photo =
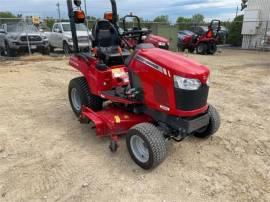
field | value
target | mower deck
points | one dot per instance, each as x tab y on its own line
112	121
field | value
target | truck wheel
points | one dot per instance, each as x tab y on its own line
46	51
146	145
10	52
213	126
201	48
212	48
79	95
2	52
51	48
66	49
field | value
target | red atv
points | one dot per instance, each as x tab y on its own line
136	35
203	44
151	95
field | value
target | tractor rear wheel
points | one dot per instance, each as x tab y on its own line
213	126
80	95
201	48
146	145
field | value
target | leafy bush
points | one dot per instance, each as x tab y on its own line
235	35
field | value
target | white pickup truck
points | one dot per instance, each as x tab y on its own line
61	37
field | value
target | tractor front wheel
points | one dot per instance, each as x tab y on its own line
80	95
146	145
191	50
201	48
213	126
212	48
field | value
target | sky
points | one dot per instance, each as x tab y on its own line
148	9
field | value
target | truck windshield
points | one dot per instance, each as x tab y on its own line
79	27
21	28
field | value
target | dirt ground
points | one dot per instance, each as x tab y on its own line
47	155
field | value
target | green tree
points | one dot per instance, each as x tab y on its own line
162	19
198	18
183	20
235	35
91	18
49	22
7	15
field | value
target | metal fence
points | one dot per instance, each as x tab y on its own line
256	34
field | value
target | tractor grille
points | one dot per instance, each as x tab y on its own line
188	100
31	38
160	94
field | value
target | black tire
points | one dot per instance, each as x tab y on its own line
51	48
154	141
180	47
66	49
201	48
10	52
213	126
191	50
2	52
86	97
212	48
46	51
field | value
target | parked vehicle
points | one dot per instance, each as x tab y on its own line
199	30
184	38
203	44
154	95
136	35
2	41
202	30
20	37
61	37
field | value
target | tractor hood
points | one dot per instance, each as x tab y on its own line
176	63
158	38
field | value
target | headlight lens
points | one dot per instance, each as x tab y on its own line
161	43
12	37
186	84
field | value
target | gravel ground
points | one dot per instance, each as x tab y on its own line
46	155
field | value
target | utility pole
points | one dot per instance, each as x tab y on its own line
237	10
59	12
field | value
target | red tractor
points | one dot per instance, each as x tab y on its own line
203	44
136	34
151	95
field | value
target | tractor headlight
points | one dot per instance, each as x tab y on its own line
186	84
162	44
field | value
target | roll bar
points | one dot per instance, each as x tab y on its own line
114	12
73	25
131	16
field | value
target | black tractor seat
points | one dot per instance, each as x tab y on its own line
107	43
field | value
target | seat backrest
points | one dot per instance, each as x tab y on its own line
105	34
